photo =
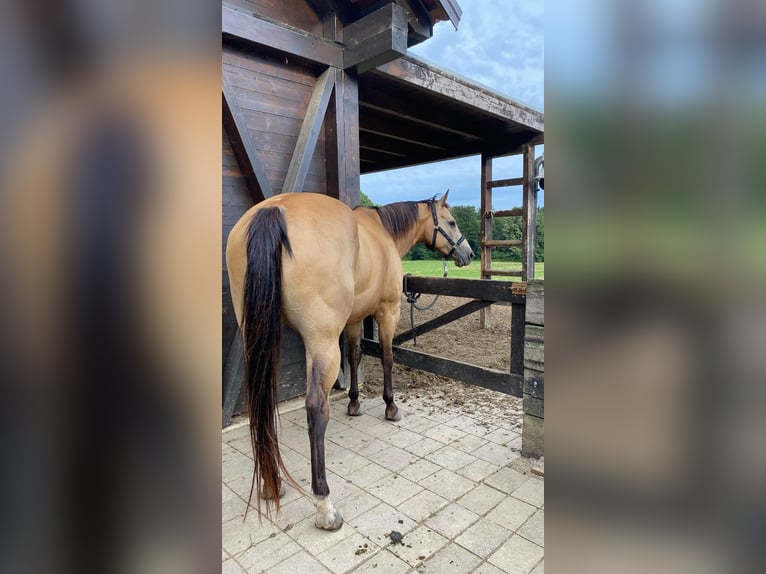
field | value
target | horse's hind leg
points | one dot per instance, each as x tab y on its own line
353	337
386	326
323	365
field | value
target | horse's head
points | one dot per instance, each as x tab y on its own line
446	237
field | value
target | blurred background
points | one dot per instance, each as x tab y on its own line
110	292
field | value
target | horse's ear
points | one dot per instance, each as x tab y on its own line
443	199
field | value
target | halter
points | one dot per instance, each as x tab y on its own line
438	229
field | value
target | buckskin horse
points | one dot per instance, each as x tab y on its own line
322	267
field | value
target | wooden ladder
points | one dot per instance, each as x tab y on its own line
528	212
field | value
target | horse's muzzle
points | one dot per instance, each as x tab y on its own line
463	259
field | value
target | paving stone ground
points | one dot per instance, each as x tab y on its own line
451	482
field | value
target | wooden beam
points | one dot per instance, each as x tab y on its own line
418	73
496	380
342	140
484	289
309	134
504	273
243	145
506	182
448	317
516	212
518	318
501	243
530	213
375	39
251	28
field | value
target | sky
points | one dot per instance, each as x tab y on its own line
499	45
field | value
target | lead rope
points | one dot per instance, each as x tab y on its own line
412	300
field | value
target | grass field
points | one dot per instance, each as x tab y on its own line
435	269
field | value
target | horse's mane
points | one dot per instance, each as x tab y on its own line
398	218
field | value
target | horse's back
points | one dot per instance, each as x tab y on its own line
318	279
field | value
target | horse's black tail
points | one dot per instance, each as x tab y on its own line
266	239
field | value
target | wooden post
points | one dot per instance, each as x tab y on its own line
532	443
530	214
342	140
485	315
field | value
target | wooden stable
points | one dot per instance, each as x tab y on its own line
318	92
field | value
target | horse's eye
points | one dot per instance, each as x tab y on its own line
452	224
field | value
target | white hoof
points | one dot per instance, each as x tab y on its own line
328	518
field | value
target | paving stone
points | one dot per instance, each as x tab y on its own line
423	505
502	436
378	522
230	566
468	443
236	465
511	513
403	438
372	447
355	504
451	458
478	470
459	422
347	554
294	512
540	568
238	535
314	539
447	484
532	491
487	568
344	462
452	559
394	489
418	424
484	537
478	429
365	420
368	474
496	454
394	458
506	480
424	446
444	434
232	508
452	520
534	528
517	556
481	499
267	553
419	545
384	562
302	563
233	432
419	470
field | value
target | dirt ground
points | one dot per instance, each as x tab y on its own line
461	340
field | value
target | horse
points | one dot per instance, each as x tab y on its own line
322	267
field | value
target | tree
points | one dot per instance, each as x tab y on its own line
366	201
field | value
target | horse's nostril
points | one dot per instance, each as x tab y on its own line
471	255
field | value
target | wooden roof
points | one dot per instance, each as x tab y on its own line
411	112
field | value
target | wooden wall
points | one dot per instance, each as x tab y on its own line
297	13
273	97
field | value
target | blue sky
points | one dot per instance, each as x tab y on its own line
499	45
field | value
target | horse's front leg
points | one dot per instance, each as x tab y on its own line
353	338
387	321
322	372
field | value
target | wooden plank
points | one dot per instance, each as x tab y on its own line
516	212
532	437
504	273
307	138
375	39
517	338
534	383
536	302
534	347
485	319
242	144
530	213
232	381
342	140
483	289
501	243
533	406
493	379
253	29
441	320
506	182
415	72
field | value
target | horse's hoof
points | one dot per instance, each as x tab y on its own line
332	522
354	409
396	416
267	494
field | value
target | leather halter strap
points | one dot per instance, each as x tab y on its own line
439	229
